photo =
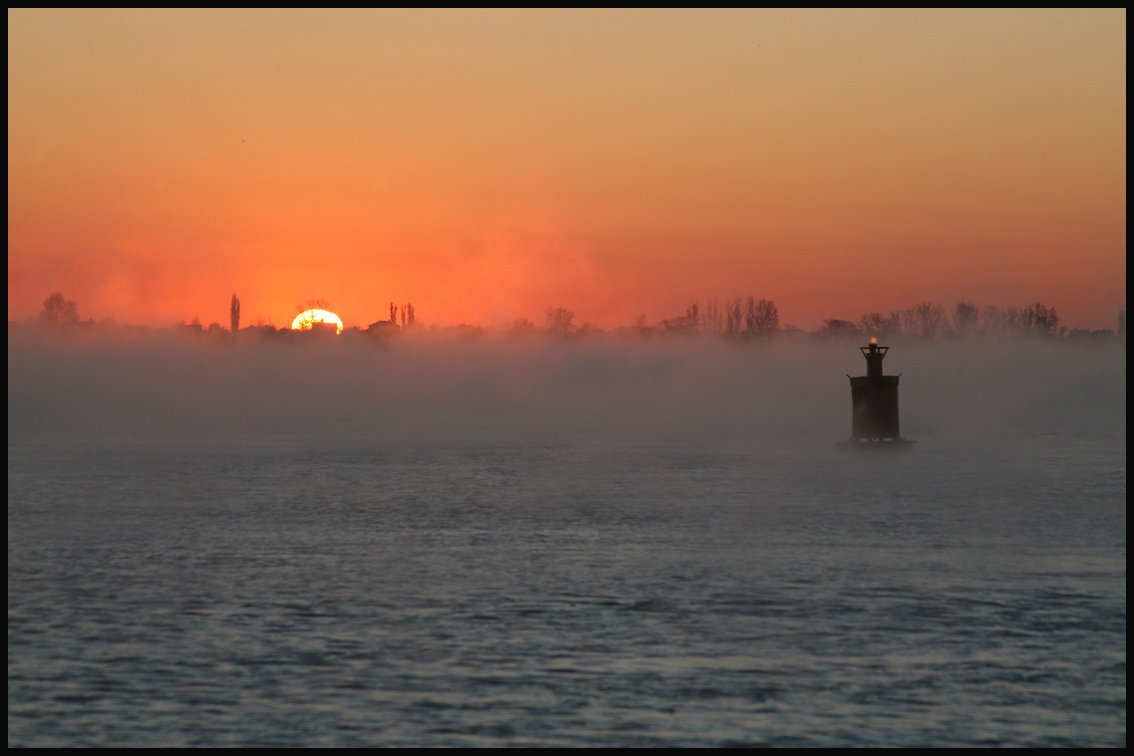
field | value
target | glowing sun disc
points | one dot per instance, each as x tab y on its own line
305	320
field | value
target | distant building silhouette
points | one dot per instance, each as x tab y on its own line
319	328
383	328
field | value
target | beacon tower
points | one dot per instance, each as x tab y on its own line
874	402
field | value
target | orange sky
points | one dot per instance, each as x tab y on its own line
485	165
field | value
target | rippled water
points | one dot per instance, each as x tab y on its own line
291	593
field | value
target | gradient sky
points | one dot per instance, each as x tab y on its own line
485	165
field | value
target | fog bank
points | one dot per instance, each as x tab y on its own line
430	388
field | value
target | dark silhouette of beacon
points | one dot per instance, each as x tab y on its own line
874	400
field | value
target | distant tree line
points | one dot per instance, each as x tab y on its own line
736	318
930	320
740	316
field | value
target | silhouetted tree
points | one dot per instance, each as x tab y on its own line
965	318
997	320
761	317
407	315
1039	319
234	314
880	326
924	320
559	320
58	311
312	304
712	320
733	317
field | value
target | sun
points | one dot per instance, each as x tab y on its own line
307	320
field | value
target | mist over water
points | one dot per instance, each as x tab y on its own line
436	388
495	541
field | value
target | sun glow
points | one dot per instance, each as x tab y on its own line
307	320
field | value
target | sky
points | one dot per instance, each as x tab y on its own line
486	165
